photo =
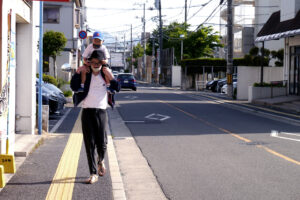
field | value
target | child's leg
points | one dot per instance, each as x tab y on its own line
83	78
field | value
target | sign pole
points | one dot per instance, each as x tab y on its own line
40	71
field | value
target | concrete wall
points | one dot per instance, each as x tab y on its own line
176	76
247	76
27	41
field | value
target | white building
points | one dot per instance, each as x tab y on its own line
285	24
18	62
263	10
65	17
243	20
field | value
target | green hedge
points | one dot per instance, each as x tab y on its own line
219	62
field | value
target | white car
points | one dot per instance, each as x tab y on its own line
224	88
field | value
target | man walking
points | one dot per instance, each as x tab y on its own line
94	116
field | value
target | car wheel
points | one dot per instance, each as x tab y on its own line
134	88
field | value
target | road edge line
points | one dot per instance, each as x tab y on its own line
114	169
54	128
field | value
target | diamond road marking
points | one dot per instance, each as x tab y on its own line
159	117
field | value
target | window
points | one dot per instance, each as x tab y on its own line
51	15
77	18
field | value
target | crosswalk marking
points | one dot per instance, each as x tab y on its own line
63	181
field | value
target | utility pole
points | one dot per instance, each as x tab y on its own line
131	50
116	44
230	49
185	11
160	40
124	60
144	42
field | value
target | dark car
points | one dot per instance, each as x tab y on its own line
51	96
127	80
212	85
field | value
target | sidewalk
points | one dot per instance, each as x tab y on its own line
24	145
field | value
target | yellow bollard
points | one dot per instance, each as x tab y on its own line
2	179
8	162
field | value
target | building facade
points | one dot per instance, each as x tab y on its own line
285	24
65	17
243	27
19	60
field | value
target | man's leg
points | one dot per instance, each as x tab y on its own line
89	126
101	136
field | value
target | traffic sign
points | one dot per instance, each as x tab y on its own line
82	34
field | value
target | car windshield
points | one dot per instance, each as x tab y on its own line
125	76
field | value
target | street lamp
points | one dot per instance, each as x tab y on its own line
181	38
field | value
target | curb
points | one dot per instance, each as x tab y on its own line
116	179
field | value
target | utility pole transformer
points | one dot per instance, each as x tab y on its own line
230	49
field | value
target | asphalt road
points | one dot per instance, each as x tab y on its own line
204	150
35	175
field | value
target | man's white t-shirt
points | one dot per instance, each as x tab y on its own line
89	50
97	95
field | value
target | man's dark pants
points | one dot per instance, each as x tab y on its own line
94	122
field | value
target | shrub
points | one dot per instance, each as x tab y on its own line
48	79
68	93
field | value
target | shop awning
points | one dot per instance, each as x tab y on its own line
274	29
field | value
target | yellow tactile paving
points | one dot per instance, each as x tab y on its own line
63	181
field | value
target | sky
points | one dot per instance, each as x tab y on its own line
116	16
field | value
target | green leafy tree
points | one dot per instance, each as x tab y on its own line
200	43
53	44
138	51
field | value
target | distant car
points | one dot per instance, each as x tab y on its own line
224	88
115	73
127	80
212	85
51	96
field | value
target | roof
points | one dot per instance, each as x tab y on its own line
274	29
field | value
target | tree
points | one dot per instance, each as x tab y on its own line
53	44
196	44
138	51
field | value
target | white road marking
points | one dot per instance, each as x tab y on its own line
130	97
276	135
59	122
158	117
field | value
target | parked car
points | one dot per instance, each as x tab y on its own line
51	96
224	88
127	80
222	82
212	85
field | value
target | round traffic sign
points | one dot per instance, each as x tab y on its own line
82	34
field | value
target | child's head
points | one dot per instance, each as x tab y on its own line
97	39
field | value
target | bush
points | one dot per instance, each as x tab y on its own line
61	82
48	79
272	84
68	93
